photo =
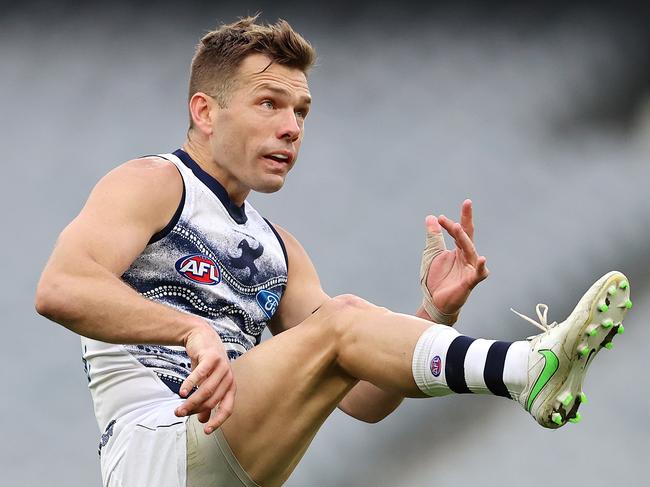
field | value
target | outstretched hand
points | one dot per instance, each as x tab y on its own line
211	376
452	274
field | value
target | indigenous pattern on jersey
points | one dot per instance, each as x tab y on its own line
216	260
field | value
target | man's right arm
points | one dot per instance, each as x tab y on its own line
81	288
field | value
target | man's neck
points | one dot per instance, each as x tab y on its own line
201	155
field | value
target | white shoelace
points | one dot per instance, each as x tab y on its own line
542	313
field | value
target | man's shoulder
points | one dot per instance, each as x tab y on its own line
147	186
290	243
150	174
150	168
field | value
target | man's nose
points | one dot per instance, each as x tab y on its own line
289	127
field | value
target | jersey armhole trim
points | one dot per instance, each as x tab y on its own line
284	249
177	215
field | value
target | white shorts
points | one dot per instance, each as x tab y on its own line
156	448
210	461
147	449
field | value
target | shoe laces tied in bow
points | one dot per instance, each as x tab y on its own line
542	313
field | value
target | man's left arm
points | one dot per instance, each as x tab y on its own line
453	274
448	276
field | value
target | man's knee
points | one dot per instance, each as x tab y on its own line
345	315
341	310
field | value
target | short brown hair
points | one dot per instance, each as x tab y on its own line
221	51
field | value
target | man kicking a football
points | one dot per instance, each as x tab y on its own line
170	276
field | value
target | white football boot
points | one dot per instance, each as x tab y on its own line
560	356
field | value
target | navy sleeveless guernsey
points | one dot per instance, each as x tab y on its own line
216	260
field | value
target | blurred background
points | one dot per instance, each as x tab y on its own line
539	112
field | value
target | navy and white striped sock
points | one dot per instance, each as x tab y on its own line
446	362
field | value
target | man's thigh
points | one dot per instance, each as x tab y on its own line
210	460
286	388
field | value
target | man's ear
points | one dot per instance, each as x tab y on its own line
202	108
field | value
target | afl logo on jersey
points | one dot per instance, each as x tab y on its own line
268	301
199	268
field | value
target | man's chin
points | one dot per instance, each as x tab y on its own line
270	186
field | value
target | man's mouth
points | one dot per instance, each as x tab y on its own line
281	157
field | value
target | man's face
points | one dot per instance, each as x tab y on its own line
256	138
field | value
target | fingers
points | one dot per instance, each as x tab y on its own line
463	242
467	218
435	241
207	396
481	270
199	374
204	415
222	412
213	377
431	222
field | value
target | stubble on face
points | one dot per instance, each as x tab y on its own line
264	117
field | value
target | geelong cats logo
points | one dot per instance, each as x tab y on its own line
268	301
199	268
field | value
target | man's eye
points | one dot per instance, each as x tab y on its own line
268	104
301	113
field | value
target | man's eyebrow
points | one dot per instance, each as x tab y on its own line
281	91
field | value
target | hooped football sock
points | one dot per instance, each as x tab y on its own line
446	362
